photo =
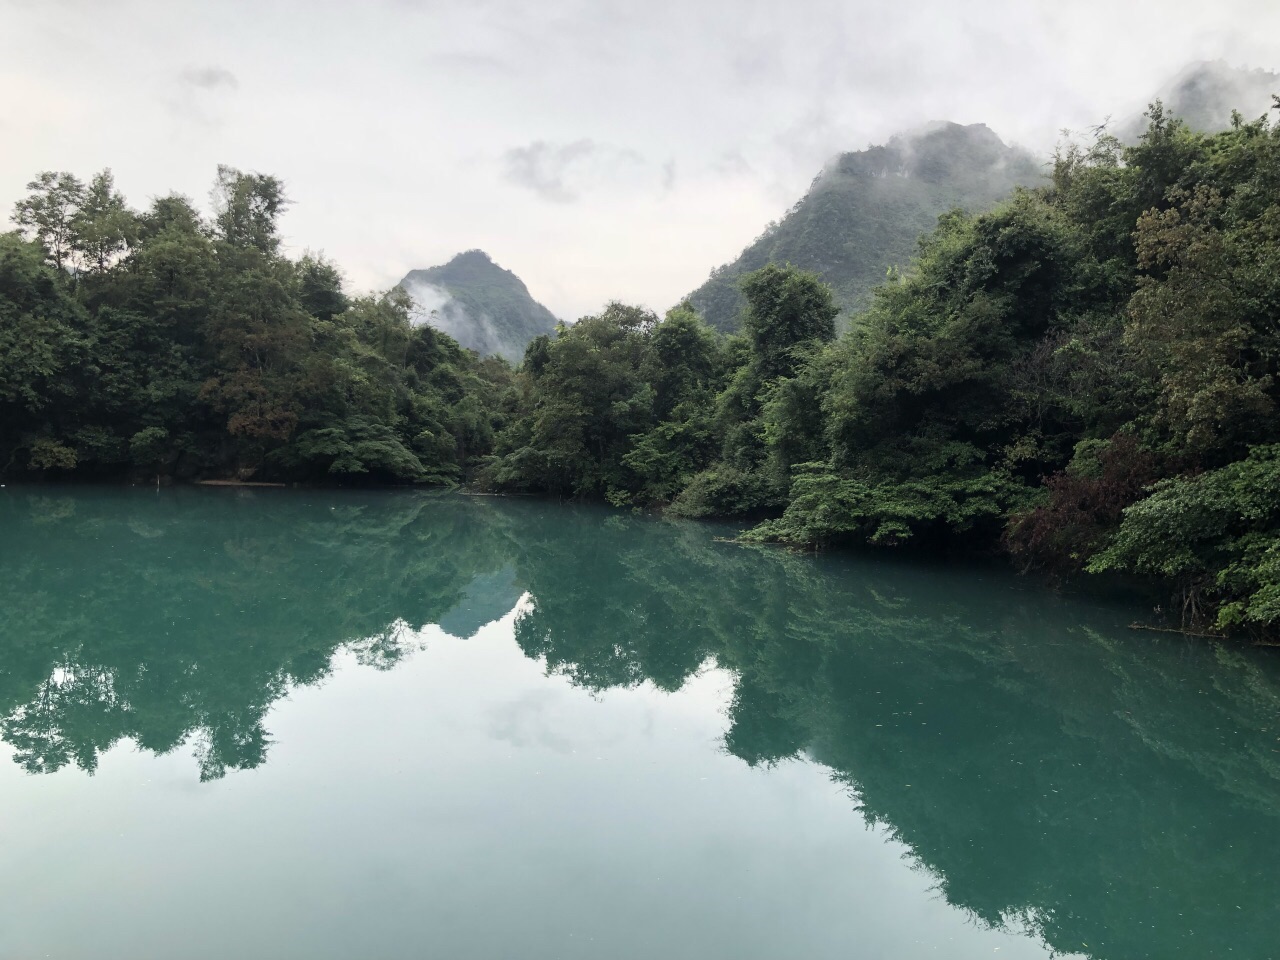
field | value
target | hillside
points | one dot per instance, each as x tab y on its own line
865	211
484	307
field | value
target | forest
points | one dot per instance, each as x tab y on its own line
1083	378
136	344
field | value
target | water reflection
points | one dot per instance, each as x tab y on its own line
1117	795
188	615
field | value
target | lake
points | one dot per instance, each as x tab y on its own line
298	724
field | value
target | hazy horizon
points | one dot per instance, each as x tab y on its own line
596	151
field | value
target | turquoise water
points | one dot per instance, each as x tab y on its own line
278	724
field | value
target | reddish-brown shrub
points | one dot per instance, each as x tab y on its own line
1085	503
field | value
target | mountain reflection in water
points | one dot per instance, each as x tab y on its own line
1118	795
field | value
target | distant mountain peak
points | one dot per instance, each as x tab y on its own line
482	305
475	259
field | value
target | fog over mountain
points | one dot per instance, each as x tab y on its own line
484	307
609	150
866	210
1205	93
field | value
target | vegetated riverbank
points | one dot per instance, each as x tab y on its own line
1085	378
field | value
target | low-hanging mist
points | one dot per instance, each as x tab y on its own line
435	306
484	307
866	210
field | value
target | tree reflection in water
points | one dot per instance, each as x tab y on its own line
1116	794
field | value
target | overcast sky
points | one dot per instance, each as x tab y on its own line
599	149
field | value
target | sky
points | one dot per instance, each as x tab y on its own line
601	150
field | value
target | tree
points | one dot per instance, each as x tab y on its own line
1215	536
786	307
680	360
246	206
43	350
48	214
1205	318
102	226
320	281
583	399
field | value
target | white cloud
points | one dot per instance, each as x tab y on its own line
208	78
562	172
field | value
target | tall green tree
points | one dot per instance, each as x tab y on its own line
47	215
246	208
103	226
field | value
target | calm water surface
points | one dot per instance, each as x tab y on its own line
281	724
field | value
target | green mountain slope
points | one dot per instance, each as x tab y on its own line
484	307
865	211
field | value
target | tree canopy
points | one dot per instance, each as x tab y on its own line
157	342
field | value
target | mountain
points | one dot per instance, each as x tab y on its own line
488	597
1204	94
479	304
865	211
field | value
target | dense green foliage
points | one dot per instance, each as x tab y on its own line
1216	533
1025	383
484	307
864	212
156	342
640	411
